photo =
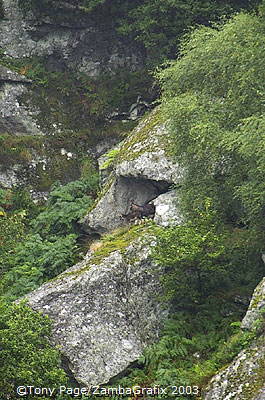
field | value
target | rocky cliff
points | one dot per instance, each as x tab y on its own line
67	37
55	68
62	71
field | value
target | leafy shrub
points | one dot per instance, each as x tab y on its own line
194	257
213	99
36	260
25	352
12	230
66	204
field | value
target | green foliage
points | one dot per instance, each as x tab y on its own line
25	352
213	98
160	24
12	230
18	149
66	205
51	244
112	156
194	255
190	351
34	261
213	101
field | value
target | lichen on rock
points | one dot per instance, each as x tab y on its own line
142	170
104	312
243	379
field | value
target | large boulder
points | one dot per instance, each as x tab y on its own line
105	310
142	170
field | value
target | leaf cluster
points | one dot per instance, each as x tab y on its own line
214	101
25	351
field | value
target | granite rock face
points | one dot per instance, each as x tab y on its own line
75	40
142	171
15	117
104	312
167	210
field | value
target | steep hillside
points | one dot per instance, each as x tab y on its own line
132	199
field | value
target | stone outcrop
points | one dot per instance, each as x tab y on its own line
15	117
74	41
244	378
142	171
167	211
6	75
8	177
104	310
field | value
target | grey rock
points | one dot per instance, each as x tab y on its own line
256	307
8	177
104	312
138	109
83	45
243	379
6	75
148	158
107	214
15	117
167	211
142	172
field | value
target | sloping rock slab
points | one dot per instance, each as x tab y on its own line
103	315
243	379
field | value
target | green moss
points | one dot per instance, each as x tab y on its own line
253	383
118	240
19	149
144	138
112	156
